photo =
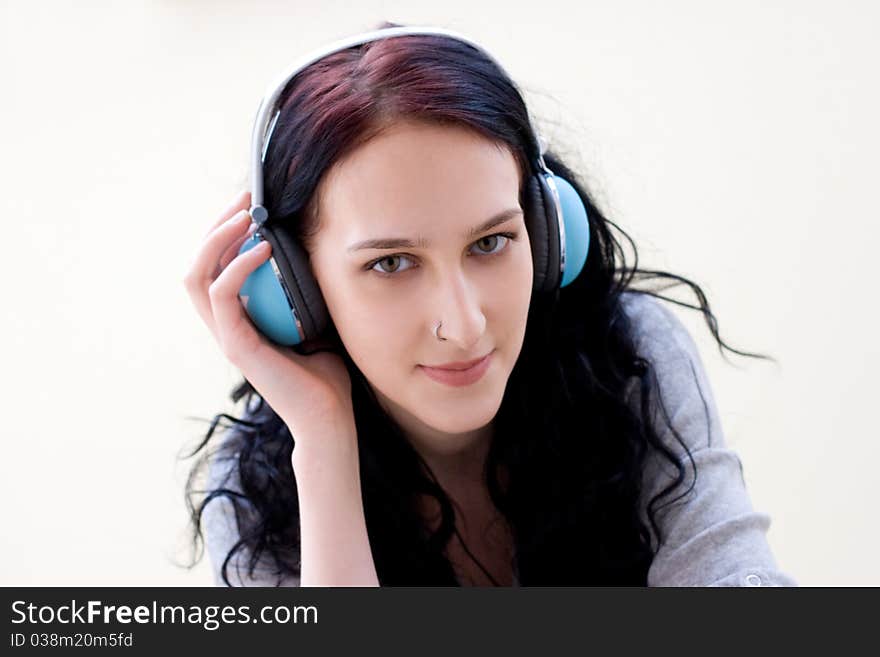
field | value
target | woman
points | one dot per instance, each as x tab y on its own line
584	447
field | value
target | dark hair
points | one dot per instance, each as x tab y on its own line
572	445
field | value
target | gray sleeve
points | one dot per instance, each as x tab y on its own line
221	531
711	536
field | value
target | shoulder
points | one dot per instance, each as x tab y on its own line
656	331
712	534
679	384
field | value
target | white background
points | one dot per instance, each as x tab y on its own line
736	142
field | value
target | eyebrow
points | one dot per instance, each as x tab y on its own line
401	242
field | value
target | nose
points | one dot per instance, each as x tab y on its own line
457	304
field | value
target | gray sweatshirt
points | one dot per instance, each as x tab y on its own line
712	536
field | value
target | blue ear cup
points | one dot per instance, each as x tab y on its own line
558	259
282	296
577	229
266	302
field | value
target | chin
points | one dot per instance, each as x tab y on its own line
463	416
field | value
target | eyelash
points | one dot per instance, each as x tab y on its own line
508	236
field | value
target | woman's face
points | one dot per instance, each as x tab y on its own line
432	186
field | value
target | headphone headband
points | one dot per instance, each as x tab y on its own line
265	120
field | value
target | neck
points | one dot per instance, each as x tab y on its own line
459	464
457	460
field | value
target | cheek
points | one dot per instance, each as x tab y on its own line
520	281
370	332
516	301
365	329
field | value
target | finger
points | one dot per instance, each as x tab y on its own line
202	305
241	202
234	328
230	253
204	269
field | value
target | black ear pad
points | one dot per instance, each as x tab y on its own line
293	263
541	222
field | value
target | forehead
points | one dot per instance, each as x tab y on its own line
418	178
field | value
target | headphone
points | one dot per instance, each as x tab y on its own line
282	297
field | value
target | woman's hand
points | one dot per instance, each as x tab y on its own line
312	394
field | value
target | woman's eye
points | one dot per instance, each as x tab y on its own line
482	243
490	245
392	259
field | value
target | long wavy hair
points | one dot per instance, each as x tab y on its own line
573	448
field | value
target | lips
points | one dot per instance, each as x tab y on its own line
456	377
457	366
